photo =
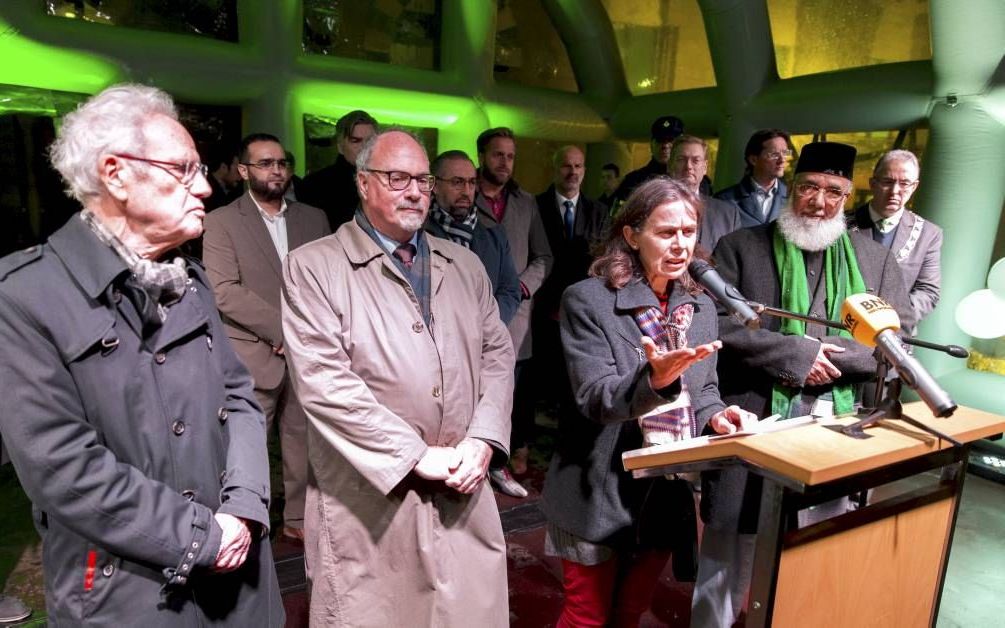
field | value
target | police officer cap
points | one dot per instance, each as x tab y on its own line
666	128
827	158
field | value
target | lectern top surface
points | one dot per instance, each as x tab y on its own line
812	454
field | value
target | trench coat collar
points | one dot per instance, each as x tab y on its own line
92	264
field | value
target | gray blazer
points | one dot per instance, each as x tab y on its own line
532	256
587	491
920	260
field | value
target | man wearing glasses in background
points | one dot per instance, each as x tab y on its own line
761	193
804	262
405	371
243	250
453	216
916	242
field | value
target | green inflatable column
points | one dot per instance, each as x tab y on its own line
963	177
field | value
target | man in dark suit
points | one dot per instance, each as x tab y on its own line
453	216
333	188
245	243
916	242
662	133
573	224
761	193
689	164
805	262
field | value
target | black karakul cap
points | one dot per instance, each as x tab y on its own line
666	128
827	158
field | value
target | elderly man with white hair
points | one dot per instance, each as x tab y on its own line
805	262
131	423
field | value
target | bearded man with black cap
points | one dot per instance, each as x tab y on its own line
808	263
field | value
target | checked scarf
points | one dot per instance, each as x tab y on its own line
459	231
843	278
673	421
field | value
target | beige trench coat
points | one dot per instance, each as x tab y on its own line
383	547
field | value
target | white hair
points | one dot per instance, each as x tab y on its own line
810	234
110	122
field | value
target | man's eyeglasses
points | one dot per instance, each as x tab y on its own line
459	183
810	190
268	164
397	180
184	172
779	154
888	183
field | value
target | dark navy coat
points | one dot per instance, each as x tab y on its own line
128	441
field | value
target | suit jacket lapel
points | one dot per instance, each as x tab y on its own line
252	221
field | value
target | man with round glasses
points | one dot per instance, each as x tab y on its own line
916	242
761	192
131	422
243	250
405	371
453	216
805	262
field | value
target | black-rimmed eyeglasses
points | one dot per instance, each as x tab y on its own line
397	180
184	172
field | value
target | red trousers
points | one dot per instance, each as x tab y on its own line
614	593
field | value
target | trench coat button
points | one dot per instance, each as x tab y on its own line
436	391
108	570
178	427
417	327
188	494
160	358
222	414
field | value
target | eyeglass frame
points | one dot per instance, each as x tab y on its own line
816	189
188	176
268	164
458	183
430	179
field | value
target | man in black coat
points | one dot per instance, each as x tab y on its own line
780	368
689	164
131	422
573	224
333	188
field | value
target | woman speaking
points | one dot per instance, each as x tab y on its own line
639	339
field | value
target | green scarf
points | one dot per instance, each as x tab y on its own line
843	279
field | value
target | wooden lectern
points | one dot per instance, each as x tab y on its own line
880	565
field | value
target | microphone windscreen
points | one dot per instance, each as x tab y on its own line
866	315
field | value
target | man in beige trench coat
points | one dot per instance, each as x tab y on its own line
405	372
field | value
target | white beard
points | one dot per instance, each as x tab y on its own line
810	234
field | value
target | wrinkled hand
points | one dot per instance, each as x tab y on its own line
438	463
475	456
669	365
823	370
234	543
731	419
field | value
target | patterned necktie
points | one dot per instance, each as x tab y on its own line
405	254
570	219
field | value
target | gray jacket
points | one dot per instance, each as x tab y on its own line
128	439
587	491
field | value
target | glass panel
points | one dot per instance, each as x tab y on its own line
208	18
321	147
401	32
663	44
870	145
528	48
814	36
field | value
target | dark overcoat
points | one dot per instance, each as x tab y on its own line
752	361
587	491
128	440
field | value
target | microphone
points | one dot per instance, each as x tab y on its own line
874	323
727	295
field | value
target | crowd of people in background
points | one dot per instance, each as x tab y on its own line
402	318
